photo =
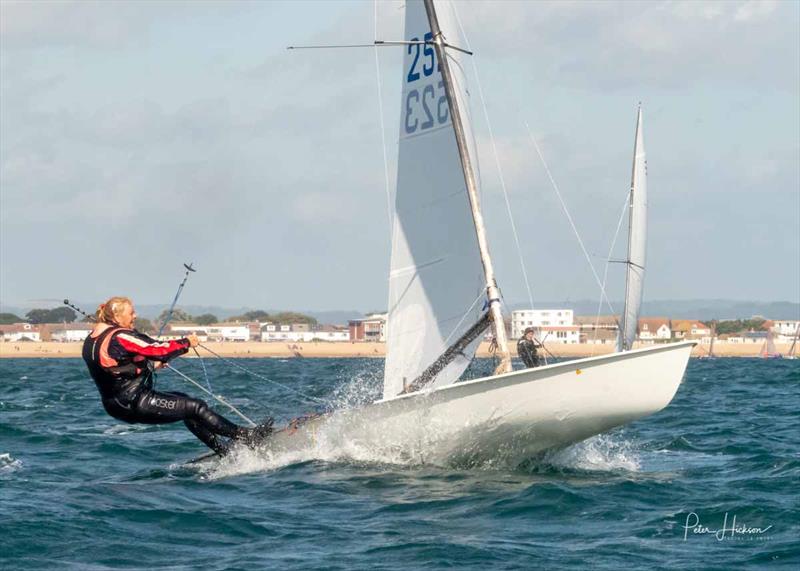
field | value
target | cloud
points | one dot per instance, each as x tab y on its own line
615	45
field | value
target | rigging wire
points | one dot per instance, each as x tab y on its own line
262	377
608	263
603	295
481	295
383	127
497	162
218	398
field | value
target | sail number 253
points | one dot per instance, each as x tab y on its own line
425	106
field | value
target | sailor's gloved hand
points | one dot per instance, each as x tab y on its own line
193	340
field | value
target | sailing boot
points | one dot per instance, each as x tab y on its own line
253	437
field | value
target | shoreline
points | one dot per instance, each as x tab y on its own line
260	349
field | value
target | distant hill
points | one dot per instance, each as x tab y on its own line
676	309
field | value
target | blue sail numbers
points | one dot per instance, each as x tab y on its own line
426	100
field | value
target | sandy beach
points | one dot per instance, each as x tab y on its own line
361	349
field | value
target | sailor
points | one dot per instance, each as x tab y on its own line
526	349
121	361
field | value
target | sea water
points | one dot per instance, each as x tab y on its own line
79	490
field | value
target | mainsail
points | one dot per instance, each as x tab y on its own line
637	242
437	286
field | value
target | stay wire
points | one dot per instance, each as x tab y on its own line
603	295
218	398
497	163
608	263
383	128
262	377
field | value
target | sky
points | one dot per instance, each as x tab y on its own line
135	136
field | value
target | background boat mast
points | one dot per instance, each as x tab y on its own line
492	291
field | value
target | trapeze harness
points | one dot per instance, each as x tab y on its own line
123	374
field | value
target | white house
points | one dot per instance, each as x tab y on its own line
20	332
689	329
72	332
599	337
302	332
785	330
653	329
521	319
564	335
216	331
173	334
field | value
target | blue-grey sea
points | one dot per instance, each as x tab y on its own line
79	490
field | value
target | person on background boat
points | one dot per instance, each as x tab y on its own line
121	361
527	348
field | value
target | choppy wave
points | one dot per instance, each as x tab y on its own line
81	491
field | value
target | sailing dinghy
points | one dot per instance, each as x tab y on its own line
443	297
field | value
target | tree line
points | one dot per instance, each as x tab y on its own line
737	325
67	315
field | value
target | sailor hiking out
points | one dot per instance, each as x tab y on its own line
527	347
121	360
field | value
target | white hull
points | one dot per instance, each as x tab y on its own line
507	418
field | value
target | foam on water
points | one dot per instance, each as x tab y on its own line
424	444
8	464
602	453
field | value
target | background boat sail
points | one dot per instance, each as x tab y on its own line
443	295
768	349
637	242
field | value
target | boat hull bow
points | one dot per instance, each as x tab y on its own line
506	418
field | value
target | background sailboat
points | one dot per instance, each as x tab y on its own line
768	349
443	295
637	242
792	354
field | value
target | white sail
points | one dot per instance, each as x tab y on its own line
436	282
637	243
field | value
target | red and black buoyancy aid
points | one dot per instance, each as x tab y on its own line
114	379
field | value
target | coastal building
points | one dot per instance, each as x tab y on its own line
303	332
758	337
521	319
689	329
71	332
20	332
654	329
173	334
785	330
593	322
599	337
370	328
564	335
216	331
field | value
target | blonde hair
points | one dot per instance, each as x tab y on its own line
107	312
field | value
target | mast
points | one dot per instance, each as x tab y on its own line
492	291
623	342
794	341
713	335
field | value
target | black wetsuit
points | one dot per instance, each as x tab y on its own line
526	349
118	361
